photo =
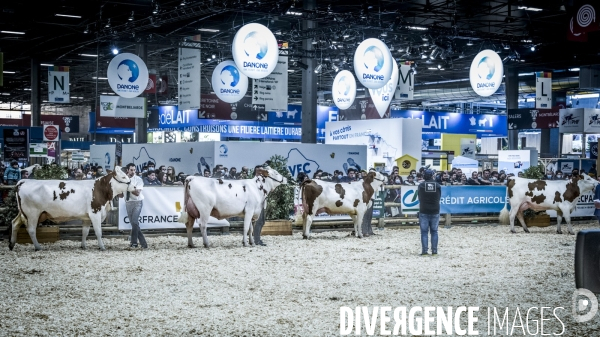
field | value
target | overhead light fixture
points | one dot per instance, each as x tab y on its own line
100	78
318	68
417	28
532	9
115	51
434	53
293	12
214	56
209	30
532	48
346	36
336	68
182	3
155	10
87	29
69	16
423	56
291	70
8	72
131	17
573	69
107	24
11	32
506	46
470	43
47	65
89	55
384	34
208	59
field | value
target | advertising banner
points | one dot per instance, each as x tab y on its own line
51	149
188	79
468	147
447	122
228	83
127	75
373	63
513	161
68	124
486	73
272	90
382	97
103	155
243	110
521	119
571	121
190	158
38	150
543	90
58	85
255	50
116	106
99	122
16	144
343	89
592	120
458	199
162	207
406	82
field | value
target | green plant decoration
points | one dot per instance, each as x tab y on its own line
280	202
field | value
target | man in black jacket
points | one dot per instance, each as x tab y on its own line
430	193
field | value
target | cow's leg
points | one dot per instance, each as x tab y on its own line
15	229
567	215
307	222
358	224
85	230
251	233
204	230
559	217
522	221
247	224
32	223
512	216
189	227
98	230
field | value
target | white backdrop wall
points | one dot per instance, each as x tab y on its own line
189	157
386	139
103	155
301	157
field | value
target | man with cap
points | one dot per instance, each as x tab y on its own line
350	177
430	193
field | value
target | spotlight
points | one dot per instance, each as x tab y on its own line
434	53
87	30
131	17
318	68
470	43
214	56
115	51
155	11
336	68
506	46
384	34
182	3
532	48
107	24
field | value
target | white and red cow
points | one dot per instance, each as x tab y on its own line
221	199
539	195
339	198
63	200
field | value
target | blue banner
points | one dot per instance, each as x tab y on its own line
449	122
459	199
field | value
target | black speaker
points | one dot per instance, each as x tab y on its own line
587	260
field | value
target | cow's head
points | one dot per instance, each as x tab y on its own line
376	179
271	173
586	183
123	181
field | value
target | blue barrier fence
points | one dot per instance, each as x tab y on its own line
459	199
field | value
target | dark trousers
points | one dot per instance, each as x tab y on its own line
258	225
367	228
134	208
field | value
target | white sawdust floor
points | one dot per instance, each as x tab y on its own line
292	287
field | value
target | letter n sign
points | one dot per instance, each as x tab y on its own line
58	85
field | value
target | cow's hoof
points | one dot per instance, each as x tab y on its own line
527	231
304	237
84	248
207	246
572	233
558	232
191	246
38	249
11	246
102	249
513	231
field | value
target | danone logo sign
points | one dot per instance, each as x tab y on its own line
373	63
344	89
127	75
486	73
255	50
228	83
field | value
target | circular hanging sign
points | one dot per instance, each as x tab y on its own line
255	50
373	63
127	75
228	83
50	133
486	73
344	89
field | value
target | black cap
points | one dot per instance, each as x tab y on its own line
352	170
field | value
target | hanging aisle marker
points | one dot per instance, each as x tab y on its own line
543	90
373	63
344	89
255	50
486	73
58	85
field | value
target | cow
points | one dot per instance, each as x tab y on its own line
63	200
221	199
351	198
539	195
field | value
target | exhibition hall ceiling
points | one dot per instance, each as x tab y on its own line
441	36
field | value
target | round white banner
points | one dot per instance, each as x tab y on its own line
486	73
373	63
382	97
255	50
343	89
127	75
228	83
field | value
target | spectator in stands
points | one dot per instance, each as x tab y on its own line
351	175
89	175
495	175
474	180
144	170
161	168
444	179
419	178
150	166
78	174
232	173
549	175
151	180
502	178
410	180
100	172
244	174
593	171
170	178
24	174
207	173
558	175
337	176
413	173
181	177
574	173
12	174
485	179
395	179
301	177
318	174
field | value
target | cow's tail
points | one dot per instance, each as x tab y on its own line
304	204
504	217
183	217
20	219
